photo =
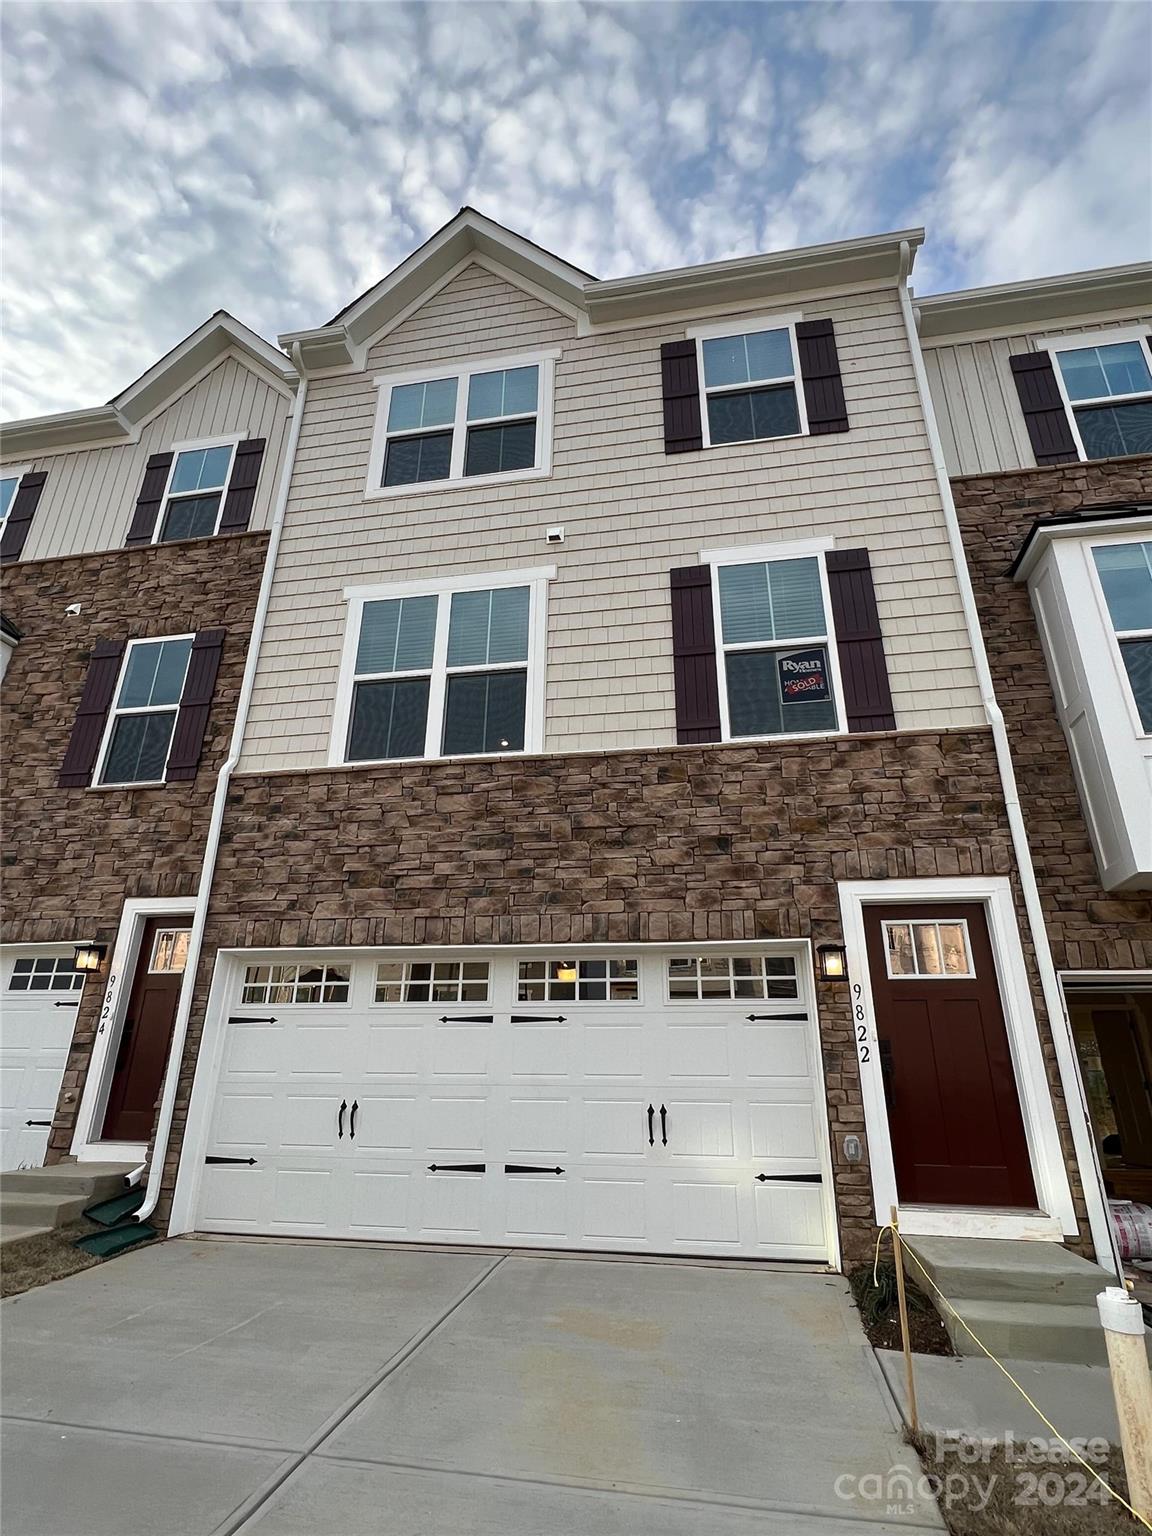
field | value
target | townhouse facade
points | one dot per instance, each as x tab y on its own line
622	850
133	545
1044	395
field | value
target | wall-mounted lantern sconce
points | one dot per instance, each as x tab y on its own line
833	962
89	957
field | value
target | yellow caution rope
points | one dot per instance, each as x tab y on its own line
1087	1465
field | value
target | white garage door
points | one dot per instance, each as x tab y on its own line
41	993
640	1102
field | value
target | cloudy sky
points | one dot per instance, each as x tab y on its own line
160	161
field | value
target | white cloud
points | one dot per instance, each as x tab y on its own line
161	161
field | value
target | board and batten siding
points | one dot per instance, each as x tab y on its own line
974	394
89	495
630	514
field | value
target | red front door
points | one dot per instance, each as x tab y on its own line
953	1108
147	1031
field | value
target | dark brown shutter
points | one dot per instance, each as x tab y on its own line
859	644
195	701
241	491
20	514
92	713
681	384
820	371
1043	407
694	655
143	524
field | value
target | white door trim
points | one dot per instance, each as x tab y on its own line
994	893
228	971
86	1145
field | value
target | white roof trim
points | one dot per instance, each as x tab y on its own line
178	370
1012	307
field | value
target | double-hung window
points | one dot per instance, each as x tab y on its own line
751	383
1125	573
1106	382
777	659
488	419
9	484
449	669
138	736
194	494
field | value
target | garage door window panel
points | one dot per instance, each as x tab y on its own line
578	981
432	981
731	978
290	984
54	974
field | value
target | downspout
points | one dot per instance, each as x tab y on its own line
1065	1046
220	800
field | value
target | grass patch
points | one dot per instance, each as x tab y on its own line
31	1261
1000	1494
876	1302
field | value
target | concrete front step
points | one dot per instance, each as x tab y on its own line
40	1199
96	1181
996	1269
12	1232
1031	1330
46	1210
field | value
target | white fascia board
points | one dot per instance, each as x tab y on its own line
177	369
467	233
1006	308
874	259
1083	528
36	435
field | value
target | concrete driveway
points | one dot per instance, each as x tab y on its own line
199	1388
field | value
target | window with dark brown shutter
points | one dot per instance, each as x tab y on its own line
1043	407
195	702
241	493
92	714
820	371
680	381
694	655
859	644
21	513
143	525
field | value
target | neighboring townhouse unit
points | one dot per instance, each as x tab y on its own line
1043	393
616	677
133	544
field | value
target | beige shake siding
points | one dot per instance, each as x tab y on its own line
630	513
977	407
89	496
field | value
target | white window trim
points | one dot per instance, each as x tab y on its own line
536	580
1053	1192
462	372
754	554
1072	343
13	472
1134	537
176	449
151	709
743	326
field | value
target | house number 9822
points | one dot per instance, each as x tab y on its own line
860	1021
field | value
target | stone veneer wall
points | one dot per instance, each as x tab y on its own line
71	857
1090	928
682	844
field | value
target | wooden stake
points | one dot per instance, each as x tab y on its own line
898	1254
1123	1322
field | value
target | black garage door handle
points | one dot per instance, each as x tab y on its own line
340	1116
352	1124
